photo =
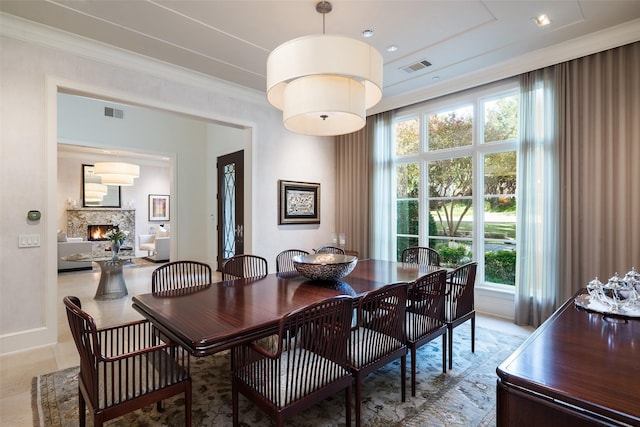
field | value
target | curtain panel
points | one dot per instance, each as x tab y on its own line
363	188
353	180
536	294
599	166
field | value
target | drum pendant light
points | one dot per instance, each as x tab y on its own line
324	84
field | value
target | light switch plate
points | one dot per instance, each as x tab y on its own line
28	240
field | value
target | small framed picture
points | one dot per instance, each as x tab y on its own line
299	202
158	207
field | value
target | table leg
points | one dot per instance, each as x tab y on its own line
111	285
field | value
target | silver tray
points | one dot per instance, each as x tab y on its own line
585	301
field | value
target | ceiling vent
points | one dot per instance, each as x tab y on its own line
417	66
113	112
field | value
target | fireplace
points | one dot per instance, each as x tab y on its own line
96	232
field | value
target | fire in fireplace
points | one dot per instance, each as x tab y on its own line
96	232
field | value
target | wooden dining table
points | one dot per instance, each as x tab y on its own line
210	318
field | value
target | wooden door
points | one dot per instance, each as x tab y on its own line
230	206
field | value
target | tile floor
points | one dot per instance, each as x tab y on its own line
18	369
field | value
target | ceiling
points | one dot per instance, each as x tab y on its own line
231	40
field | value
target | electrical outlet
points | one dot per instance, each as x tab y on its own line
28	240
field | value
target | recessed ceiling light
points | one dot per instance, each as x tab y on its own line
542	20
367	33
392	48
435	78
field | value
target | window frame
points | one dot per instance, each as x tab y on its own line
477	151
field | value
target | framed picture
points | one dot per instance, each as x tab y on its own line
98	199
299	202
158	207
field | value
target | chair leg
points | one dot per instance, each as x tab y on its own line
450	333
413	371
234	404
444	353
358	398
159	406
473	333
82	409
403	376
187	404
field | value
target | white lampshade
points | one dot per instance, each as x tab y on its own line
324	84
116	173
95	187
93	196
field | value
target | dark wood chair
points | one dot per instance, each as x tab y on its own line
378	336
283	260
306	367
330	250
244	266
120	368
459	303
421	255
425	317
180	275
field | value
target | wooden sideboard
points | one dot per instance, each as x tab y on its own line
576	369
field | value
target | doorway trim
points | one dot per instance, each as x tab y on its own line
48	334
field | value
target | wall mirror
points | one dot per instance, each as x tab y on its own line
89	200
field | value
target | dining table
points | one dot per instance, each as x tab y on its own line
207	319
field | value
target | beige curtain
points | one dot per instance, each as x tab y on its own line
599	165
353	180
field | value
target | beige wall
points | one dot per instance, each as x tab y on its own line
31	74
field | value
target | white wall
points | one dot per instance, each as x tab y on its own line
32	72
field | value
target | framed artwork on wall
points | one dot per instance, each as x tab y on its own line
298	202
158	207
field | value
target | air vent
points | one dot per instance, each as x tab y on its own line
113	112
417	66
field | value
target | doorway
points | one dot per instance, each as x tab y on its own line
230	196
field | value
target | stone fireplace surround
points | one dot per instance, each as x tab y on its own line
78	221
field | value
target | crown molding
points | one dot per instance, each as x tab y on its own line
29	31
599	41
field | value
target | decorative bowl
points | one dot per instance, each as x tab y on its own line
324	266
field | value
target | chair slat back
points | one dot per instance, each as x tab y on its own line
427	295
244	266
379	329
180	275
421	255
283	260
460	290
330	250
310	355
84	333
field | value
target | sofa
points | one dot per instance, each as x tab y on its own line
157	246
72	246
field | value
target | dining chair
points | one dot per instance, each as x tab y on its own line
120	368
330	250
180	275
284	262
459	302
306	367
378	336
421	255
425	317
244	266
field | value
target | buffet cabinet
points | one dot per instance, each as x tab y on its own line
579	368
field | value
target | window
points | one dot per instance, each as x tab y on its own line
455	179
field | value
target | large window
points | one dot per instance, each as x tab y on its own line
455	172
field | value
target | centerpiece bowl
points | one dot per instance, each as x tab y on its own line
324	266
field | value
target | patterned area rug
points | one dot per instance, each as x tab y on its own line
464	396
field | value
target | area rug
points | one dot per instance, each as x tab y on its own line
464	396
